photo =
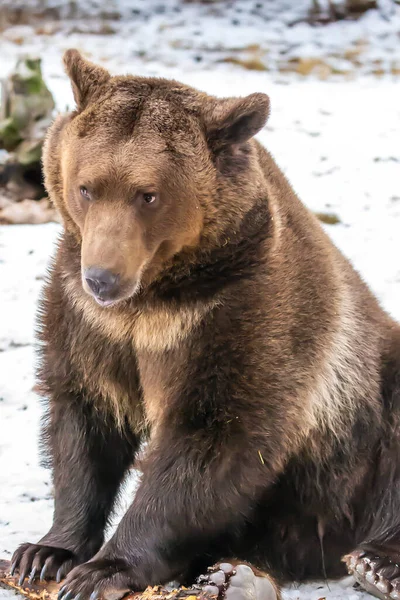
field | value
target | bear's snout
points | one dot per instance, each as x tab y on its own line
103	284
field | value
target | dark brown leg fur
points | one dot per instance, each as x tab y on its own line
89	458
376	562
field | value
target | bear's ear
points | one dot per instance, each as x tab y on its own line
86	77
235	120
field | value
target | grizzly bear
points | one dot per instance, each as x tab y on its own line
195	303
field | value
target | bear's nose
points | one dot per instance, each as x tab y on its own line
102	282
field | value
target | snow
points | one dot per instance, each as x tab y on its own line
337	140
195	36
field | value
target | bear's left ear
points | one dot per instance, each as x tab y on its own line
235	120
86	77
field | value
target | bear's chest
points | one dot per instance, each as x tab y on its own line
133	364
162	342
161	379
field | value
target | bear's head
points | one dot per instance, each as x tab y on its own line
146	168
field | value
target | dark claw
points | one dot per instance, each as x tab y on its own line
69	595
58	576
61	592
22	578
94	595
78	596
32	575
43	573
13	567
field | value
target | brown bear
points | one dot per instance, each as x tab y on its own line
195	303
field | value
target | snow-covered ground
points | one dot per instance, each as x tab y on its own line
337	140
271	35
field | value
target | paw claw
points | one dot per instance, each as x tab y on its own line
376	571
370	577
383	586
395	592
361	568
32	559
109	578
32	575
42	575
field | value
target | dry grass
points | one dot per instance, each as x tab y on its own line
252	64
328	218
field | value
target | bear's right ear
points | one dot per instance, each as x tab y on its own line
233	121
86	77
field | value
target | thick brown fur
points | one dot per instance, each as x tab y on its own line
243	346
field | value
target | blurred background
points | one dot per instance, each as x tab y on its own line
332	71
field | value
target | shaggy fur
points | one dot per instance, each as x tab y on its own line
243	346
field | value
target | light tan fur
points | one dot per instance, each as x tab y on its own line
342	378
155	330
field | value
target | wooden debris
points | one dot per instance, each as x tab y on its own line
48	590
27	211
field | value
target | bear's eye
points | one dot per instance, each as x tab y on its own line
84	192
149	197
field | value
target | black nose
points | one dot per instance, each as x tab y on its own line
102	282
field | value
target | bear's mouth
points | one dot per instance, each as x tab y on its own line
106	303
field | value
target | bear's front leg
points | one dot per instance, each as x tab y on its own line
90	459
196	485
